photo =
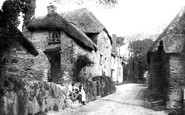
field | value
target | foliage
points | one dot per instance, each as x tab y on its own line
10	12
111	3
140	47
81	62
120	41
105	3
117	43
138	60
105	85
9	20
125	72
31	5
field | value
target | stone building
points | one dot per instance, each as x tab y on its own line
15	50
116	62
96	31
64	40
21	91
166	64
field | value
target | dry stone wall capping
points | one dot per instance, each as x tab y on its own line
23	97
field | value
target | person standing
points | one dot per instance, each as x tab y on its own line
82	94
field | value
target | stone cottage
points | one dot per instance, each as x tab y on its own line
14	53
116	63
64	40
95	30
166	64
20	91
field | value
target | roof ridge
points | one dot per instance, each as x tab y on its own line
57	21
170	29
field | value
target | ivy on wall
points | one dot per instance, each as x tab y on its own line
81	61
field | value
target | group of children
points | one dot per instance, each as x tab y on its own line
77	93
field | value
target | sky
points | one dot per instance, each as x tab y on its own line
129	16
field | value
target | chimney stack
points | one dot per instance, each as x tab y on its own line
52	9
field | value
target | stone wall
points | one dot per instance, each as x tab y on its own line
16	62
158	76
41	63
79	51
114	66
23	97
67	59
104	48
176	82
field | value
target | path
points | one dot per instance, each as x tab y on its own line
129	99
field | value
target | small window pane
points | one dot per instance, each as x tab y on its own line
54	37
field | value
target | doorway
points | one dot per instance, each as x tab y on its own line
55	70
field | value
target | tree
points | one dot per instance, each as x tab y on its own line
138	60
109	3
119	43
140	47
9	20
10	12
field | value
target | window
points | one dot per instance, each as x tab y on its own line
54	37
101	59
105	62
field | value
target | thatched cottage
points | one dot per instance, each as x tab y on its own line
21	91
70	45
166	59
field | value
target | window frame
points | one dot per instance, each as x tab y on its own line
54	37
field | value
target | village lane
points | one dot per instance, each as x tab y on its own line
129	99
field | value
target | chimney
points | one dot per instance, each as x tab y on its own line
52	9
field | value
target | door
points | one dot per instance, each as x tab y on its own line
54	58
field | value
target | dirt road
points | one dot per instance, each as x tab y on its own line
129	99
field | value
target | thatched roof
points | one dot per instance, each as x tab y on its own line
55	21
17	35
173	36
85	20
